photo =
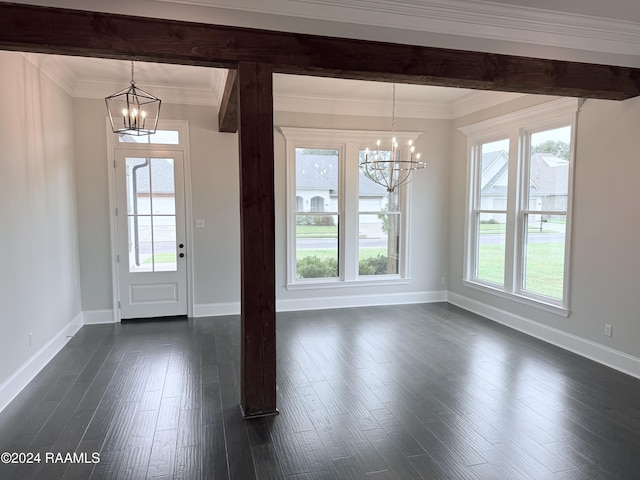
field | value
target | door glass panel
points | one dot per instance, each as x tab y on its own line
164	243
151	215
138	199
140	246
163	186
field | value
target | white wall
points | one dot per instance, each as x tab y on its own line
40	279
606	231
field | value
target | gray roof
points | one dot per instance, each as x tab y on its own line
162	177
549	174
494	168
320	172
317	172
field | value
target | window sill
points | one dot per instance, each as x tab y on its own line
337	283
529	301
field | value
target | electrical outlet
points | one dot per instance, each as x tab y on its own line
608	330
443	280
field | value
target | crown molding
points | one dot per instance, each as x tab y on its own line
477	101
475	19
553	108
58	71
366	107
167	93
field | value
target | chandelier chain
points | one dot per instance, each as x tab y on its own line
132	81
393	111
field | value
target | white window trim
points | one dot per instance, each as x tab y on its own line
348	143
517	127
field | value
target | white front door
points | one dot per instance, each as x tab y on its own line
152	267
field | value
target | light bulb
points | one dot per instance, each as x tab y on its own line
124	112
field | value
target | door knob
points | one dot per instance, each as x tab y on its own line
181	255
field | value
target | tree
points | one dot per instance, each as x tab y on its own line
557	147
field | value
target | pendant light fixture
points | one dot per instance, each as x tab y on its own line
132	111
391	166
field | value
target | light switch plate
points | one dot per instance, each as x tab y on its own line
199	222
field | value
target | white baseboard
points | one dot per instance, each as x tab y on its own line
615	359
321	303
16	382
216	309
348	301
95	317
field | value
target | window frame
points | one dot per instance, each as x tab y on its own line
518	127
348	143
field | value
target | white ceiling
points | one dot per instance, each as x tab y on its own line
96	78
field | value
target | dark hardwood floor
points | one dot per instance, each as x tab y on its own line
402	392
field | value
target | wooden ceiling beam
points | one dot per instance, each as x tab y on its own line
228	113
38	29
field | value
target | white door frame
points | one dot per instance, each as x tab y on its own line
182	126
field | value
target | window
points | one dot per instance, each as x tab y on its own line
342	227
517	235
317	184
379	227
165	137
490	211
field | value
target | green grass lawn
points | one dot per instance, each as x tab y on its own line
544	267
161	258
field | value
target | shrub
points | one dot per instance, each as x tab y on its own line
314	267
304	220
325	220
373	266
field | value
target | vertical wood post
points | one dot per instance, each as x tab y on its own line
257	238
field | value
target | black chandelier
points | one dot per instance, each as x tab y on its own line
132	111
